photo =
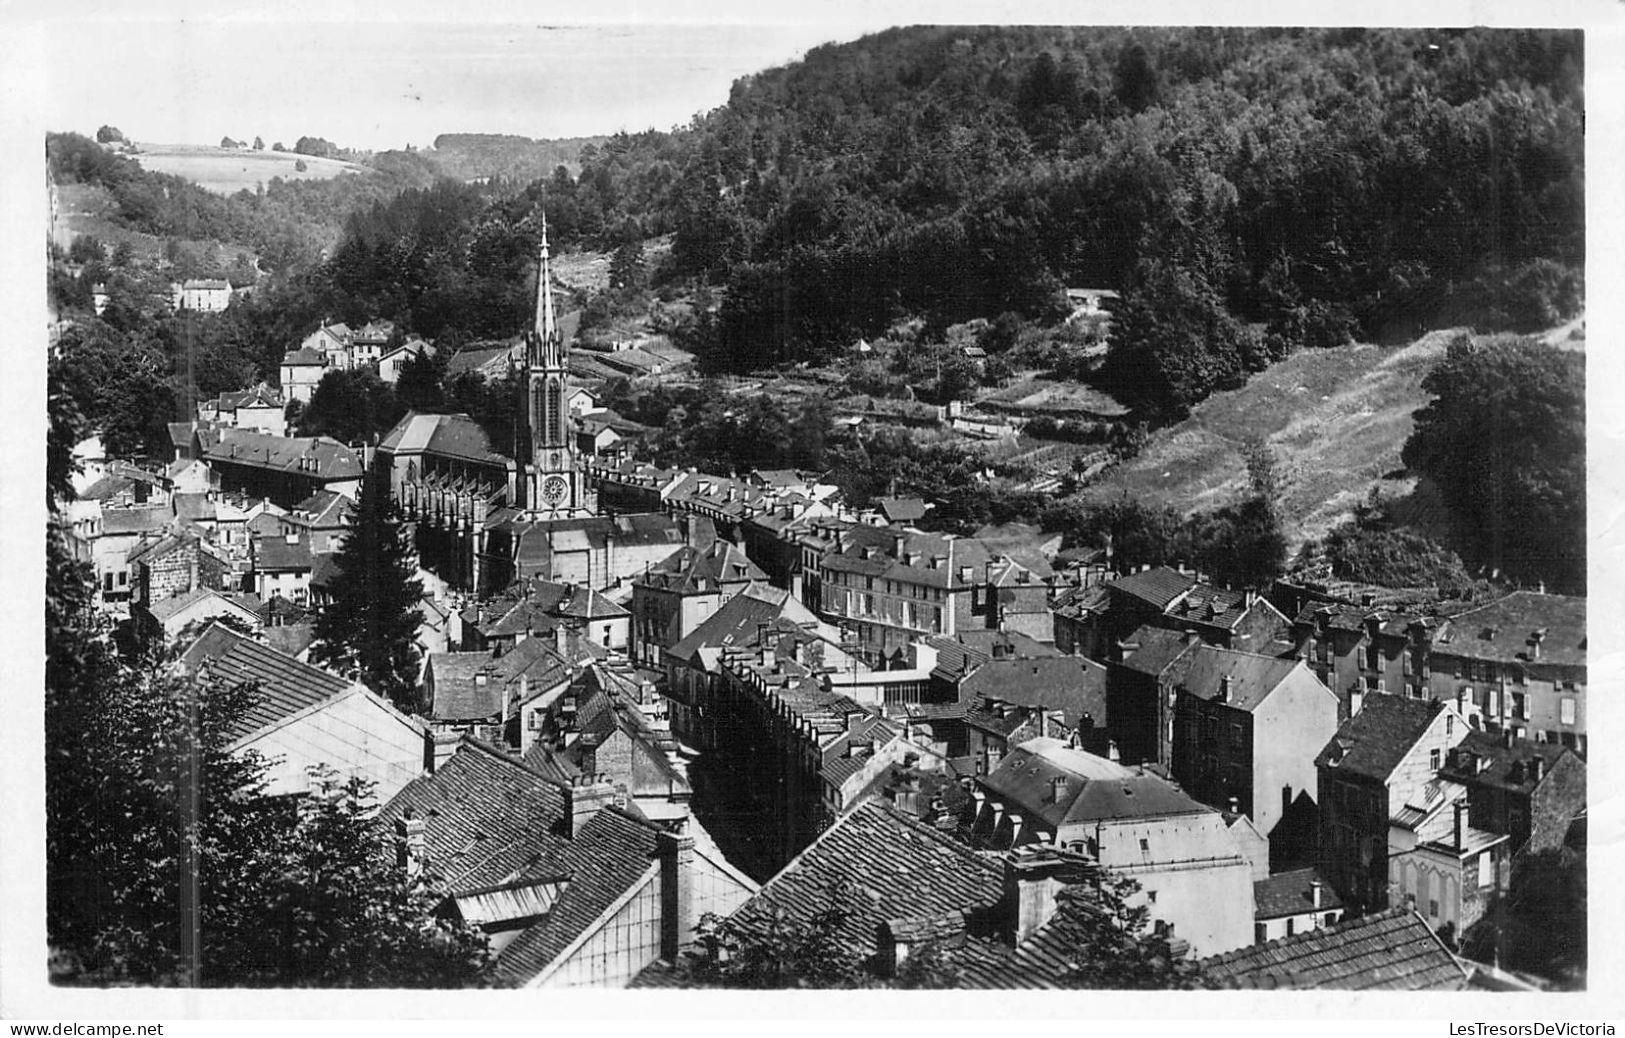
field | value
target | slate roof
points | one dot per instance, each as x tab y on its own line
1095	788
1374	741
275	553
1290	893
1215	606
1158	650
166	609
1158	587
447	435
1501	630
901	868
735	623
458	696
193	507
316	456
169	541
304	357
285	685
1071	684
692	571
475	360
901	509
1252	677
879	552
1507	766
140	519
1389	951
493	820
324	508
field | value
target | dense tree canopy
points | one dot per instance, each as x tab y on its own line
1504	439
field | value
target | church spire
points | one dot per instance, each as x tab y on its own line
547	325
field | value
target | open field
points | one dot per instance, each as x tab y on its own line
229	171
1337	419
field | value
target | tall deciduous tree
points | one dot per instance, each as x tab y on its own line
370	626
1504	438
418	388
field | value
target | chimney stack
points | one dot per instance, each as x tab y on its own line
442	747
1537	767
1031	880
561	640
584	797
1314	892
1460	807
411	838
676	893
1225	689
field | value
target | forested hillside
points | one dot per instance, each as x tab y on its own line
465	156
1248	191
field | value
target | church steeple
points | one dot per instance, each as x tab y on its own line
546	343
554	481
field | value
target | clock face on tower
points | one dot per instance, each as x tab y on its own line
553	490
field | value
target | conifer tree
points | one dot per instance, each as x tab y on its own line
370	626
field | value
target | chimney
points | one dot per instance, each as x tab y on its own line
561	640
1460	807
1030	883
442	747
1314	893
1235	805
676	893
1506	738
583	798
1111	750
1224	689
1537	767
411	837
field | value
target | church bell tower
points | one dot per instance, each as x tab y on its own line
554	485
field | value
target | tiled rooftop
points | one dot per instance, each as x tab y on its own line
1292	893
1252	677
899	868
1388	951
1374	741
492	820
285	686
1093	788
1505	629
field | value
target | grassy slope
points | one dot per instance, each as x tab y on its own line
1337	420
89	209
229	171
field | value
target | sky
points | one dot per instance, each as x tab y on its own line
373	86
